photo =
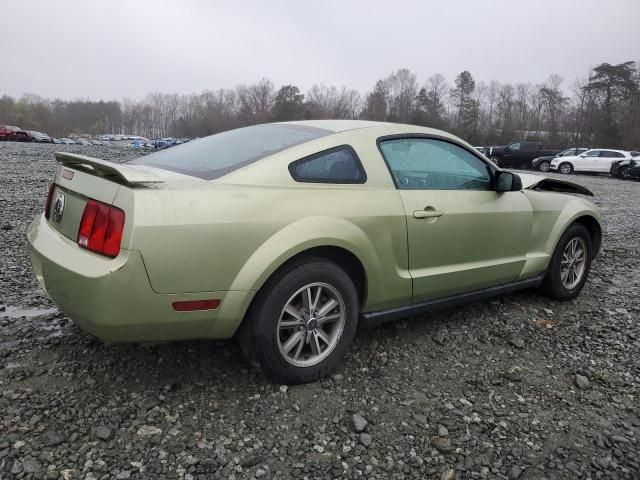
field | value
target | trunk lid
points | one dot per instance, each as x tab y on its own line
80	178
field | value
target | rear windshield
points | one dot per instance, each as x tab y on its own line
215	156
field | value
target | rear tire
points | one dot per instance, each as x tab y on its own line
544	166
565	168
288	335
569	265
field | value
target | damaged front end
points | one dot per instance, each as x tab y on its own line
543	184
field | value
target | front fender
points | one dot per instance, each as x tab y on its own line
304	234
573	210
553	213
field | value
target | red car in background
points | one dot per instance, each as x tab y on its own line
13	134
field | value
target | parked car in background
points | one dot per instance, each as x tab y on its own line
67	141
141	145
162	143
292	235
597	160
543	163
519	154
39	137
82	141
14	134
628	168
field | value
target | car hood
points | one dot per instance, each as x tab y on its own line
537	182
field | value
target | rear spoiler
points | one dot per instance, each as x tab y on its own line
128	174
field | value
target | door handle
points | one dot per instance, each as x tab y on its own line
428	212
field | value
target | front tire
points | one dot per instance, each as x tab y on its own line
624	173
565	168
302	322
570	264
544	166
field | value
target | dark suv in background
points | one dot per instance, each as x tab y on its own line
519	154
542	163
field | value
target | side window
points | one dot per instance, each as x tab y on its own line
514	146
337	165
593	153
430	164
608	154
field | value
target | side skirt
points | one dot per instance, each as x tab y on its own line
375	318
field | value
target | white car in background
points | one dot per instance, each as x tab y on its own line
594	160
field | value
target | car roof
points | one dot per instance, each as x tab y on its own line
337	126
384	128
609	150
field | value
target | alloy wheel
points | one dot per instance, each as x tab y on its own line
573	263
311	324
565	169
544	167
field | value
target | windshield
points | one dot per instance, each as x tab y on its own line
568	152
214	156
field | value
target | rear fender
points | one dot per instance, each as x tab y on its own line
305	234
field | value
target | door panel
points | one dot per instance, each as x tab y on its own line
603	162
468	240
589	163
462	235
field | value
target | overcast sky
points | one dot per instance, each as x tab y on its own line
113	49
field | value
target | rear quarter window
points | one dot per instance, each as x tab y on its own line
336	165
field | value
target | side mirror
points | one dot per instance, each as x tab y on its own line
507	182
583	155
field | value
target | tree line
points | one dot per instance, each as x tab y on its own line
602	110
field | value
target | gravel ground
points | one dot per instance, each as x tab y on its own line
513	387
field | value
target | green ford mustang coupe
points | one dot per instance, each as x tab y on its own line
290	235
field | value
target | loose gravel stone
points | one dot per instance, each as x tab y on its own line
448	474
442	444
358	422
149	430
496	409
366	439
104	433
582	382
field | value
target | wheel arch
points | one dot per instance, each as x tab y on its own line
586	218
595	231
341	256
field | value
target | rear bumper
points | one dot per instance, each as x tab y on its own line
113	299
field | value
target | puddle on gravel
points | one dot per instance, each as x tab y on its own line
17	312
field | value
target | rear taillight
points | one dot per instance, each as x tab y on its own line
101	228
47	205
